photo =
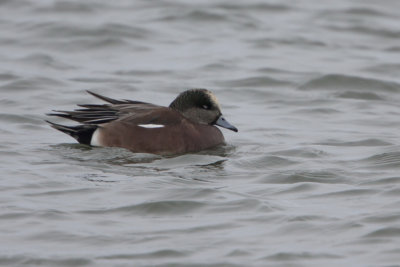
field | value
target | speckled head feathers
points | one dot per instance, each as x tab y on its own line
199	105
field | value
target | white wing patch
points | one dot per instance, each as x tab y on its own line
151	126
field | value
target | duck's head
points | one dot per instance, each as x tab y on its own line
201	106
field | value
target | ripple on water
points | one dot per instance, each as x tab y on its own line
359	95
70	7
187	160
385	69
384	160
303	152
256	81
101	155
260	7
325	177
134	73
191	193
13	216
244	205
392	218
165	253
19	119
346	82
28	84
260	162
386	232
383	181
110	30
299	41
69	192
379	32
286	256
318	111
392	192
297	188
365	142
171	207
8	76
38	261
351	193
70	37
44	60
365	11
206	16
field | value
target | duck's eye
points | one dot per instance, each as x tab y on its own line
206	106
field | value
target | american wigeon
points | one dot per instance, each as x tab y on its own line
187	125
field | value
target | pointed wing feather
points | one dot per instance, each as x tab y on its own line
98	114
114	101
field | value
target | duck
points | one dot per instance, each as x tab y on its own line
187	125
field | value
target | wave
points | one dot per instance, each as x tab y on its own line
110	30
377	32
343	82
42	261
31	83
265	7
285	256
293	41
70	7
386	232
364	142
385	160
256	81
165	253
154	207
45	60
325	177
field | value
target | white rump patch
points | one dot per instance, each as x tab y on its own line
95	138
151	126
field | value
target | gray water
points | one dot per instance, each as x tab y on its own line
311	178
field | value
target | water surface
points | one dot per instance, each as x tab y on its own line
311	179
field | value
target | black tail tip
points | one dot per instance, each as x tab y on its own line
82	133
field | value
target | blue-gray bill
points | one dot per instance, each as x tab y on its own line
224	123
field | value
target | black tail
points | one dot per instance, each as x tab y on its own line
82	133
90	117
